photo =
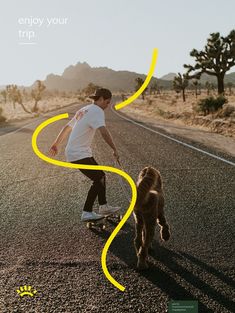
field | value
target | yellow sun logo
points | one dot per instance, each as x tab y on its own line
26	291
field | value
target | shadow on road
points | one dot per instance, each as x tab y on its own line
123	248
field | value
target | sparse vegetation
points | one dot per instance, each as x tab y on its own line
14	95
2	117
153	88
226	111
211	104
4	95
230	86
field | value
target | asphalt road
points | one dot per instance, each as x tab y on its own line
44	244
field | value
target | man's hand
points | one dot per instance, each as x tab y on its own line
62	135
115	154
108	138
53	149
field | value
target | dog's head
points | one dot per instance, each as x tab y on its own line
153	174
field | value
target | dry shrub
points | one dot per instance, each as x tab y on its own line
226	111
2	117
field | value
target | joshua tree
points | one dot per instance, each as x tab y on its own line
230	86
4	95
10	91
153	87
15	96
36	94
24	94
216	59
208	87
180	83
139	82
90	89
159	90
199	86
195	85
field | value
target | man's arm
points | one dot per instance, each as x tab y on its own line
60	138
108	139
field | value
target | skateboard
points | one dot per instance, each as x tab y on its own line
96	223
100	223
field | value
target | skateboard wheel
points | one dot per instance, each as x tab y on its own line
89	225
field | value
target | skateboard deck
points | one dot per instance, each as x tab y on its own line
100	223
116	215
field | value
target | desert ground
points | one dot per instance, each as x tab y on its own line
165	110
169	112
47	104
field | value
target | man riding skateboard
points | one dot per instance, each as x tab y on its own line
82	128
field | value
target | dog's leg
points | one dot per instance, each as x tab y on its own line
149	229
164	228
161	220
138	233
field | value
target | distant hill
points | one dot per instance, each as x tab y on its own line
204	78
78	76
169	76
230	78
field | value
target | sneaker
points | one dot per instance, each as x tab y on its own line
87	216
107	209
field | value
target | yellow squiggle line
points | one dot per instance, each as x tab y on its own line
145	84
101	167
91	167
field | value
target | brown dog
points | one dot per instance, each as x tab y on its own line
148	212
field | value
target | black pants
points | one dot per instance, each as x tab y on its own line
98	187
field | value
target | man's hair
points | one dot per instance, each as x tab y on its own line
101	92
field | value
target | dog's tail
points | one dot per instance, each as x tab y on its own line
144	185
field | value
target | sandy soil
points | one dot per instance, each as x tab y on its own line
153	111
44	105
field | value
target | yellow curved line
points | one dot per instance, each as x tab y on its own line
145	84
26	293
101	167
91	167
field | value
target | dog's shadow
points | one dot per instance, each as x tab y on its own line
123	248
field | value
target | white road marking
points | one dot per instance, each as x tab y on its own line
175	140
18	129
40	117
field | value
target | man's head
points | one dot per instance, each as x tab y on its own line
102	97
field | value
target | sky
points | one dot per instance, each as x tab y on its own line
119	34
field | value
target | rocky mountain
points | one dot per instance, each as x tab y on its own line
76	77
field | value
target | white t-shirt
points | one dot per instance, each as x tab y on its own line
84	123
